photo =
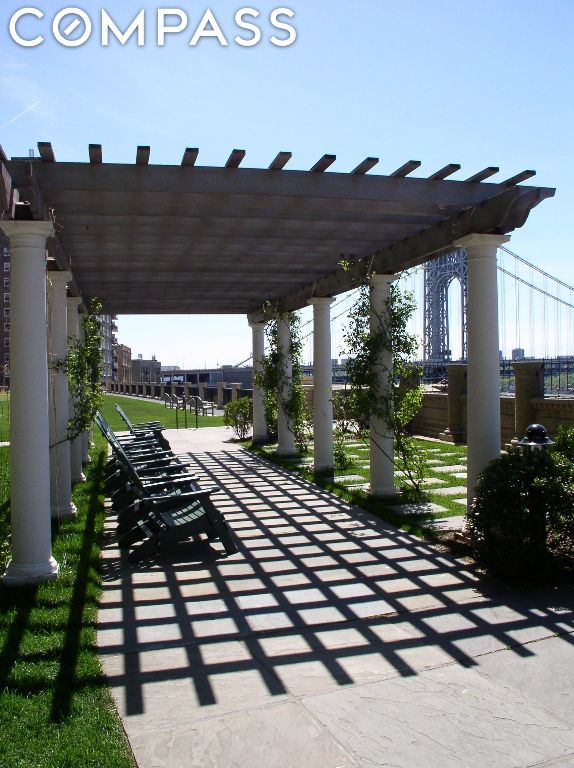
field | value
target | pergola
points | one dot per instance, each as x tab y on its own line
188	239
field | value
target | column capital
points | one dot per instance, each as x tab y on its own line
19	232
377	279
59	280
481	241
321	301
258	325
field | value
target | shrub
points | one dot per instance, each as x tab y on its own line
522	520
238	414
341	458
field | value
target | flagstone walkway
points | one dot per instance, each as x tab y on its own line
330	640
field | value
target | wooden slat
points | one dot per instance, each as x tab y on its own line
407	168
522	176
365	166
190	156
3	157
235	158
448	170
95	153
280	161
325	162
46	152
142	155
484	174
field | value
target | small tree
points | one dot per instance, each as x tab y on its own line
238	414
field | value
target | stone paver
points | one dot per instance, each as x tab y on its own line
418	508
452	490
454	523
330	639
450	469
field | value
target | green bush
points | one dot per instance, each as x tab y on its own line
238	414
522	520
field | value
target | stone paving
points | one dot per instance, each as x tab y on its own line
330	640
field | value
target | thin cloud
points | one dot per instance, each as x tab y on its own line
21	114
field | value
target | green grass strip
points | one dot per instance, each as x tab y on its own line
56	709
152	410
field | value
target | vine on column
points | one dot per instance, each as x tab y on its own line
273	381
396	405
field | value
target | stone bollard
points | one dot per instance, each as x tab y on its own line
454	432
529	383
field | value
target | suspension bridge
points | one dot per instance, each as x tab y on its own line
535	310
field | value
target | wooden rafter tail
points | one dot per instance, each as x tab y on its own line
448	170
46	152
190	156
325	162
407	168
522	176
142	155
486	173
3	156
235	158
280	161
95	153
365	166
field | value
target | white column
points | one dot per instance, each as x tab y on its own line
84	438
259	422
322	385
382	451
483	372
59	397
286	445
31	542
78	476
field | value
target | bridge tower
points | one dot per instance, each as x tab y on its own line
439	274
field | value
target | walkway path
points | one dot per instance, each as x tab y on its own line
330	640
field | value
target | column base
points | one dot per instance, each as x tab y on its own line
384	490
65	510
259	440
325	473
80	479
18	574
286	452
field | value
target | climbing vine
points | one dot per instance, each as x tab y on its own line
277	387
399	398
83	365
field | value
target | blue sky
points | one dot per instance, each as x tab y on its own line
474	82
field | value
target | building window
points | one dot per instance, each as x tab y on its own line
6	298
6	266
6	326
6	342
6	282
6	311
7	357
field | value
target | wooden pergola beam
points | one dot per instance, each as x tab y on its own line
448	170
505	212
46	152
95	153
325	162
407	168
365	166
484	174
190	156
142	155
522	176
235	158
280	161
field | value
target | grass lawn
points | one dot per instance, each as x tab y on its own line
152	410
4	417
56	710
358	453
